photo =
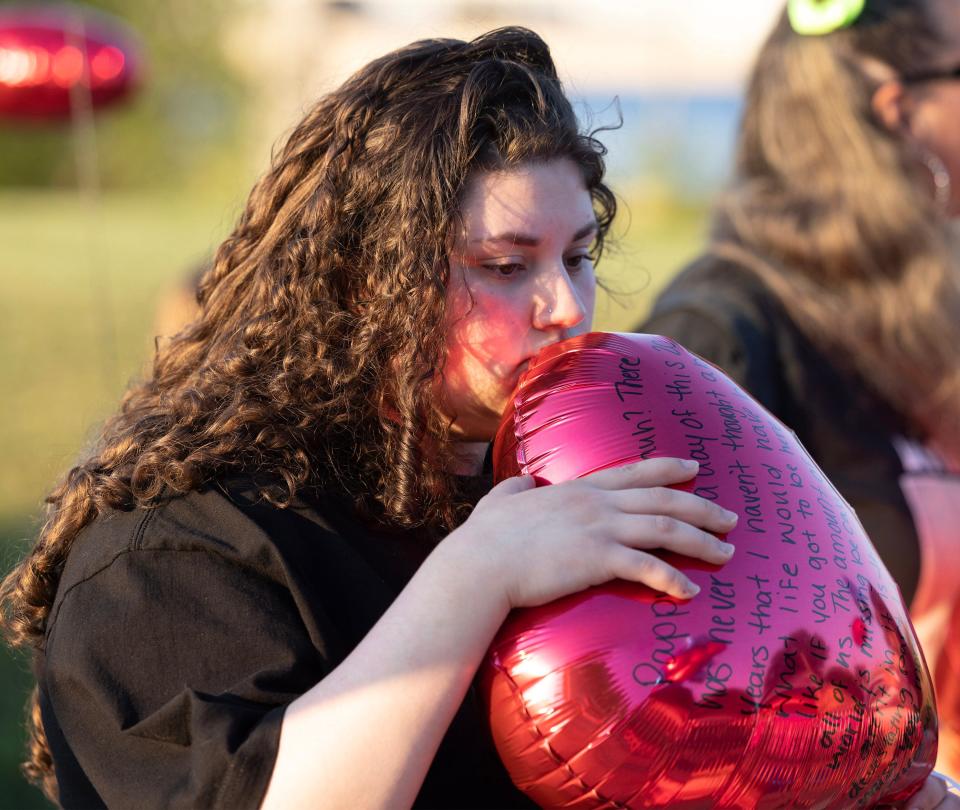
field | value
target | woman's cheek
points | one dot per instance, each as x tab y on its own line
587	289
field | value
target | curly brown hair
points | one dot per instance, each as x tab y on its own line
314	359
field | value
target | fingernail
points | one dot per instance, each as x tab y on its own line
728	515
688	464
692	589
726	548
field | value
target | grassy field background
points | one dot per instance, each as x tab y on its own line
82	278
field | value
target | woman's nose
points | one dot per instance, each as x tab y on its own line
558	303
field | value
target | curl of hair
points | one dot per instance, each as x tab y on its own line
314	360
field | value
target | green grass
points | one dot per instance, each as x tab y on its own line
651	240
80	284
81	281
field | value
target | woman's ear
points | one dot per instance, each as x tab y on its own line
890	104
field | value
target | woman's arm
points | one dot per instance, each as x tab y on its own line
365	735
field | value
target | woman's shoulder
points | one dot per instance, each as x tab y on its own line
220	523
207	520
718	287
719	309
316	548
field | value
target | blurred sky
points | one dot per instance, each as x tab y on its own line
639	50
699	45
623	45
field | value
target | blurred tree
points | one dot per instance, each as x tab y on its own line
183	124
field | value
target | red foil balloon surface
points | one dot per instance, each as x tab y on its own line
794	678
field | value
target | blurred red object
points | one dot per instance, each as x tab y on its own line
947	680
47	52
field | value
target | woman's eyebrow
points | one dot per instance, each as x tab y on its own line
525	240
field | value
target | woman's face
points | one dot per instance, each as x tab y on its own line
521	278
933	106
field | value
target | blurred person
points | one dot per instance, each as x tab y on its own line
268	584
830	288
177	306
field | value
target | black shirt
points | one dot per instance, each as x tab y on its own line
180	633
725	314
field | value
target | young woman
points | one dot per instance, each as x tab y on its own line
267	584
831	288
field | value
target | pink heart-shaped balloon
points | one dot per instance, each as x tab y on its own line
794	678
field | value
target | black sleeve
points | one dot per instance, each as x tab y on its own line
734	335
167	673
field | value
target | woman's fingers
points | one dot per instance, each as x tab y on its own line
662	531
678	504
654	472
639	566
512	486
608	522
931	795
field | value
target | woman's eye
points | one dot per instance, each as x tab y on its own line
505	269
577	262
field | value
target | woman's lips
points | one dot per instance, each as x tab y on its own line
518	372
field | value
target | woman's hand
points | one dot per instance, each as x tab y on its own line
541	543
934	795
